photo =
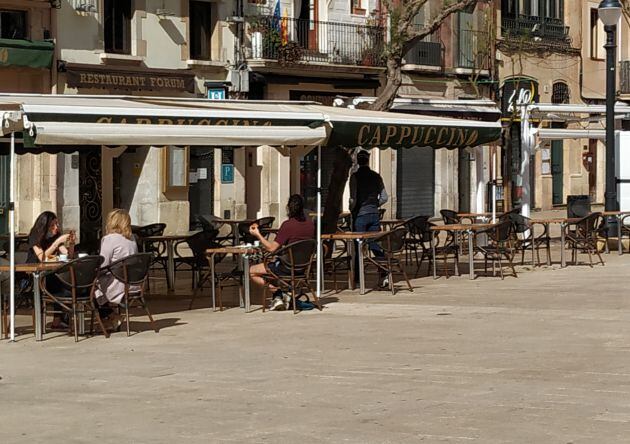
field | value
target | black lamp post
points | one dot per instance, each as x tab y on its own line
609	13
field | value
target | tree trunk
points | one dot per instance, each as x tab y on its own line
334	199
386	98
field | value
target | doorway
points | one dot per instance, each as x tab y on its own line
201	189
307	15
415	182
557	172
90	200
463	181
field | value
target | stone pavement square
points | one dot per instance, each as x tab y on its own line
542	358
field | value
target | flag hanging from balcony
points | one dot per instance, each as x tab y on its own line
275	21
284	28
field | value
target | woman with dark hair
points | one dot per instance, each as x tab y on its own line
45	240
296	228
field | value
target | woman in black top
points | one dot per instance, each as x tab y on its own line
45	240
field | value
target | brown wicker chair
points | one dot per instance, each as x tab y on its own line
133	271
393	244
501	239
297	259
583	238
78	280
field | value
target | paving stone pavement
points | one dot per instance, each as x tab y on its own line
542	358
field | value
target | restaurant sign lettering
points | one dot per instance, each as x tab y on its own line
129	80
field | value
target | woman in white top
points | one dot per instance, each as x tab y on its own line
117	244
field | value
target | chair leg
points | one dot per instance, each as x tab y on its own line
264	298
456	257
100	322
293	297
500	266
127	314
404	273
146	309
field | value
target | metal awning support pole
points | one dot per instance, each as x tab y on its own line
494	184
319	221
526	150
12	236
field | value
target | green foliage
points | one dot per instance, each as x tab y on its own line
290	53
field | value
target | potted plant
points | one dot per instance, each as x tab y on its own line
258	28
290	53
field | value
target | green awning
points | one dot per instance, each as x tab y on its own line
373	129
32	54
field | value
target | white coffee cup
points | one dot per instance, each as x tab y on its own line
256	243
63	257
82	255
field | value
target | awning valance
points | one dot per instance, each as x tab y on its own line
354	127
32	54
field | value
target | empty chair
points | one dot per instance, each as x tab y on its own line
528	240
158	248
500	245
133	271
578	206
584	237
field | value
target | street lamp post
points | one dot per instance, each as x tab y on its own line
609	13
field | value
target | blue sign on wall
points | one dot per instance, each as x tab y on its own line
216	93
227	173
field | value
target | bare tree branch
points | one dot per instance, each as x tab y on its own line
437	21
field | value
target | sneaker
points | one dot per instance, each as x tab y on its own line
384	283
277	304
286	298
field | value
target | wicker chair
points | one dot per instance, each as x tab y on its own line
584	237
392	244
78	280
526	238
297	259
500	245
133	271
157	248
263	223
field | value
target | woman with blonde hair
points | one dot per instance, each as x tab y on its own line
117	244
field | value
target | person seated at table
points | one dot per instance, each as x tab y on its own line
118	243
44	241
296	228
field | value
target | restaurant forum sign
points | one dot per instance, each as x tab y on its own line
130	80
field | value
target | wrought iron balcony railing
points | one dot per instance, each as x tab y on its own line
426	52
544	28
315	41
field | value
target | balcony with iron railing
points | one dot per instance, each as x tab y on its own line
473	50
313	41
428	52
528	26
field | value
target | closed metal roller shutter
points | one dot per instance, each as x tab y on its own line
415	182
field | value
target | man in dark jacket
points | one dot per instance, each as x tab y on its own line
367	194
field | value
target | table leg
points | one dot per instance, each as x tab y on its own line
351	248
81	322
37	306
533	247
562	258
361	268
246	281
212	276
619	246
433	259
471	255
170	265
